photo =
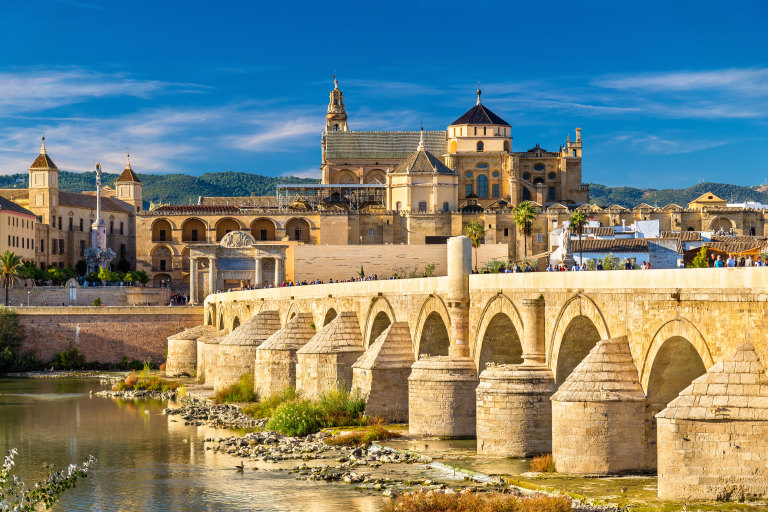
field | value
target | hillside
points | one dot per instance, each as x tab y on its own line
185	189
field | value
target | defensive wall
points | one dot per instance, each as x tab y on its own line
104	334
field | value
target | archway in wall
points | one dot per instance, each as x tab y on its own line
297	230
721	223
194	230
263	230
162	281
580	337
345	177
329	316
434	336
235	323
161	231
453	147
225	226
526	194
501	343
161	259
676	365
185	259
376	176
380	322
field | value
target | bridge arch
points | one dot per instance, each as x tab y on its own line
330	314
293	310
498	334
235	323
433	320
579	326
380	315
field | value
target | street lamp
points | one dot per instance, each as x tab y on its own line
28	292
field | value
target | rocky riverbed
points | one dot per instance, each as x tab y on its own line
199	411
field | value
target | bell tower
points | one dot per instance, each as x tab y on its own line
128	187
43	185
336	118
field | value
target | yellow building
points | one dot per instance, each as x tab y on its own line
706	201
17	230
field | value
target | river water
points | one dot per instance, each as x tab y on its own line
145	462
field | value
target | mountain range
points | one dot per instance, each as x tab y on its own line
185	189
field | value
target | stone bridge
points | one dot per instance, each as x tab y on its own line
520	336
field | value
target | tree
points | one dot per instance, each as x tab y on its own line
578	220
524	215
103	275
141	276
10	266
123	265
475	231
29	270
700	260
81	267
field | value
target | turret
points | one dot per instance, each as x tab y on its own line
573	149
128	187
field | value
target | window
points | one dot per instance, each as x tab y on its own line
162	235
71	223
539	167
482	186
506	231
550	193
467	189
475	130
263	234
551	176
538	237
121	228
296	234
446	206
574	152
482	166
422	206
495	190
495	174
61	246
81	224
527	176
59	222
111	227
82	248
194	235
370	233
468	174
42	245
122	251
398	206
53	246
162	264
33	243
480	146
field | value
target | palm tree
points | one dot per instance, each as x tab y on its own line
578	220
475	231
10	266
524	215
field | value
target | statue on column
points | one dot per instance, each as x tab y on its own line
98	255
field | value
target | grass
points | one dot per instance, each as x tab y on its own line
266	408
300	417
543	464
375	432
144	381
475	502
239	392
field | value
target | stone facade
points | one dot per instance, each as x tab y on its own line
713	438
236	354
182	350
207	351
597	413
101	334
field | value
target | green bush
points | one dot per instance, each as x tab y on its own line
96	302
265	408
337	408
700	260
240	391
68	359
476	502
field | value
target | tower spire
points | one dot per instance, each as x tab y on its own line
42	147
479	92
127	160
336	117
421	139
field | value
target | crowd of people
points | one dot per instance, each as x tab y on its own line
735	261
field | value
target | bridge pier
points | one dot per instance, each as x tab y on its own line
276	357
514	412
441	390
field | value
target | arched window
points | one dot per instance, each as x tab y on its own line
482	186
336	127
480	145
506	145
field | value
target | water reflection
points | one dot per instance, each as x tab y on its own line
145	462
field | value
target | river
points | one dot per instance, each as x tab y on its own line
145	462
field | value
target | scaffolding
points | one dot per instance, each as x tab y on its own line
323	197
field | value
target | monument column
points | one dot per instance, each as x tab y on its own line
278	264
258	270
212	271
441	389
533	332
193	280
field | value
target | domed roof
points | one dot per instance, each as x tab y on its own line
481	115
43	161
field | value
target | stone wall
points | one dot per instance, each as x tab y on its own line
324	262
84	296
105	334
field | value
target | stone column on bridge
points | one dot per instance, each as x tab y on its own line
257	272
193	280
278	270
212	274
441	389
514	412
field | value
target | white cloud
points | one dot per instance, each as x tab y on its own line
752	80
667	145
314	172
278	133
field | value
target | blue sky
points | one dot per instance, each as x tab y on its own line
666	93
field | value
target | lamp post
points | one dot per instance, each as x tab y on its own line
28	292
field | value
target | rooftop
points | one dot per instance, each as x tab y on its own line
380	145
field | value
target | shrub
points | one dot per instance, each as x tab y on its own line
144	381
68	359
240	391
265	408
475	502
96	302
700	260
297	418
543	464
364	437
